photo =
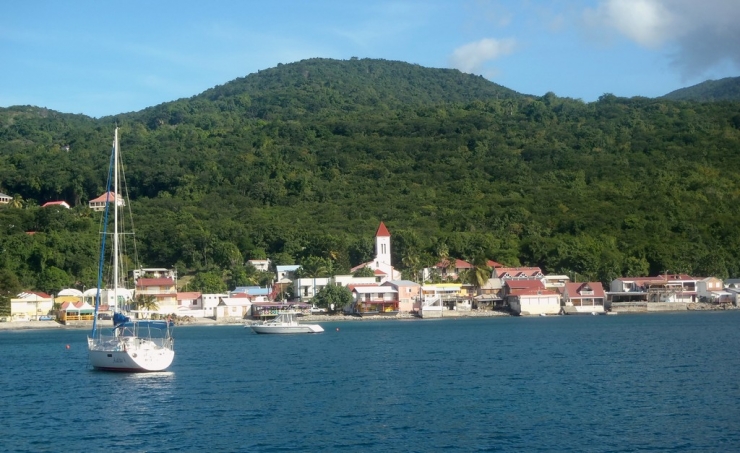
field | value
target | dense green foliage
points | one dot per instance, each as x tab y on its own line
301	162
333	298
727	89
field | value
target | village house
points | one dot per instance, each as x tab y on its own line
453	268
255	293
530	297
306	288
210	302
374	300
162	290
408	292
98	204
534	302
260	265
233	308
519	273
190	303
5	199
437	297
711	290
583	297
28	306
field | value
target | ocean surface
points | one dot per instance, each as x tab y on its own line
650	382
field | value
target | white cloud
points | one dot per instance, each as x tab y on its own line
471	57
647	22
700	35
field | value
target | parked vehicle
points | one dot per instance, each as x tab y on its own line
317	310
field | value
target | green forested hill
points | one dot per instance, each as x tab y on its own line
727	89
299	163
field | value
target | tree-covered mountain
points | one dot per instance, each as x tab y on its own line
301	162
727	89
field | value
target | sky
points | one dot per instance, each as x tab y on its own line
102	58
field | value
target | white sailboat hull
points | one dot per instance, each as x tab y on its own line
130	354
132	346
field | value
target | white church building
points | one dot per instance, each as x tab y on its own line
381	265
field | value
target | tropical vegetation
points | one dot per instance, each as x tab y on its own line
300	163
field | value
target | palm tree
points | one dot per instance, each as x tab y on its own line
411	262
146	303
479	274
17	202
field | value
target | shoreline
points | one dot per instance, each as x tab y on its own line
43	325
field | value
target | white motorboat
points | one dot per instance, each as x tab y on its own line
285	323
131	345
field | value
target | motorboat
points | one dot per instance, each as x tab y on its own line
284	323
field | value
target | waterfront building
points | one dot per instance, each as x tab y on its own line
210	302
233	308
407	291
530	297
28	306
583	297
76	313
374	300
534	302
711	290
190	303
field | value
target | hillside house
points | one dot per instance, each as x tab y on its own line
98	204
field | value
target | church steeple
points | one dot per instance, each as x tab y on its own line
382	246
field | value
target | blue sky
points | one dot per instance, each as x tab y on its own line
101	58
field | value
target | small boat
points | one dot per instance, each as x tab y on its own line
285	323
131	345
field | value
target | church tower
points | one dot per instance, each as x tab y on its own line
383	249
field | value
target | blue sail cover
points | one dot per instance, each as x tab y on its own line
119	319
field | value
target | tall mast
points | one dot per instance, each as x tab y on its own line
116	191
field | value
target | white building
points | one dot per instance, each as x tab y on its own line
534	302
306	288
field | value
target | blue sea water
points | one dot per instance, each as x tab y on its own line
657	382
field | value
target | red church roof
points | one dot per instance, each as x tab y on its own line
382	231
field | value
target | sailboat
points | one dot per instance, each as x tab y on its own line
131	345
